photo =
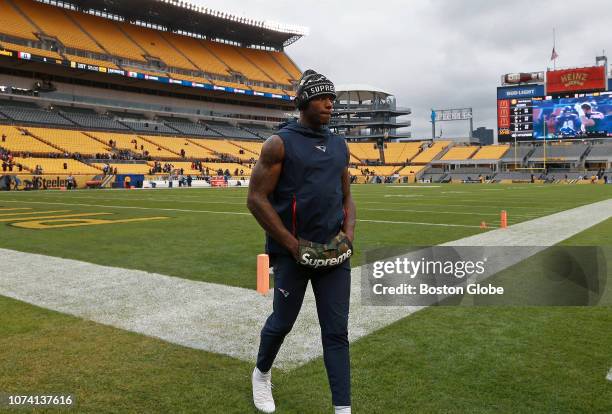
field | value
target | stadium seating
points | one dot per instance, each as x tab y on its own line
31	50
401	152
250	146
428	154
383	170
90	119
12	23
186	166
364	151
70	141
30	113
459	153
126	168
192	150
224	147
491	152
602	151
54	21
155	45
264	61
231	166
287	64
109	36
191	128
148	126
90	61
17	141
564	151
196	51
411	170
56	165
517	153
235	61
134	143
231	131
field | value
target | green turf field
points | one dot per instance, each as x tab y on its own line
439	360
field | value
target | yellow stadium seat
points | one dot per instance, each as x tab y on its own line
12	23
288	64
264	60
156	46
55	22
364	151
109	36
177	144
222	146
16	142
428	154
459	153
196	51
410	170
56	165
491	152
70	141
251	146
401	152
234	60
134	143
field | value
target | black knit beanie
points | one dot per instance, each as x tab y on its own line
312	84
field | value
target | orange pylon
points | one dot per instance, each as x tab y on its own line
483	225
503	219
263	273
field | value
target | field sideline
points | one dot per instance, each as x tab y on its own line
463	359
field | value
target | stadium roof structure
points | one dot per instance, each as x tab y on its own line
182	16
360	91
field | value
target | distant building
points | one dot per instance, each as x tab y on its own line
484	135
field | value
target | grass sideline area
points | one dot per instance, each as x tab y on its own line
441	359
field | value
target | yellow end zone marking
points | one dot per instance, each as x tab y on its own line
33	212
51	217
42	224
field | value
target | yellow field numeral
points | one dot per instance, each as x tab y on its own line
42	224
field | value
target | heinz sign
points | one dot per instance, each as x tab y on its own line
576	80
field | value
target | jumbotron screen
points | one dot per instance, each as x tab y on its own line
571	116
576	116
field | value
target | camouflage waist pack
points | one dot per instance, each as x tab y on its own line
321	256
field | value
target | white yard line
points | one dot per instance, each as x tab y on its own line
224	319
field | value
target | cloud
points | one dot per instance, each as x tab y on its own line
437	53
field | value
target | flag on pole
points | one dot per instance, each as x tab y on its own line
554	54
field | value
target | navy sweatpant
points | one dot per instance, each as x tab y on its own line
332	291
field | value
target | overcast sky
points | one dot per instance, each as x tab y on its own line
436	53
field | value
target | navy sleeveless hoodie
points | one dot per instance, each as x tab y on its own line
308	196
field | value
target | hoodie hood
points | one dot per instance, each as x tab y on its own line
294	126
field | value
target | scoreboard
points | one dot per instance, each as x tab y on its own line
515	112
521	118
515	118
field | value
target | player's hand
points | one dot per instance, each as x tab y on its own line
293	246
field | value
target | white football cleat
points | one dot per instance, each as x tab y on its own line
346	409
262	391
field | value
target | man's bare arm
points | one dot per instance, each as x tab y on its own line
349	206
263	181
